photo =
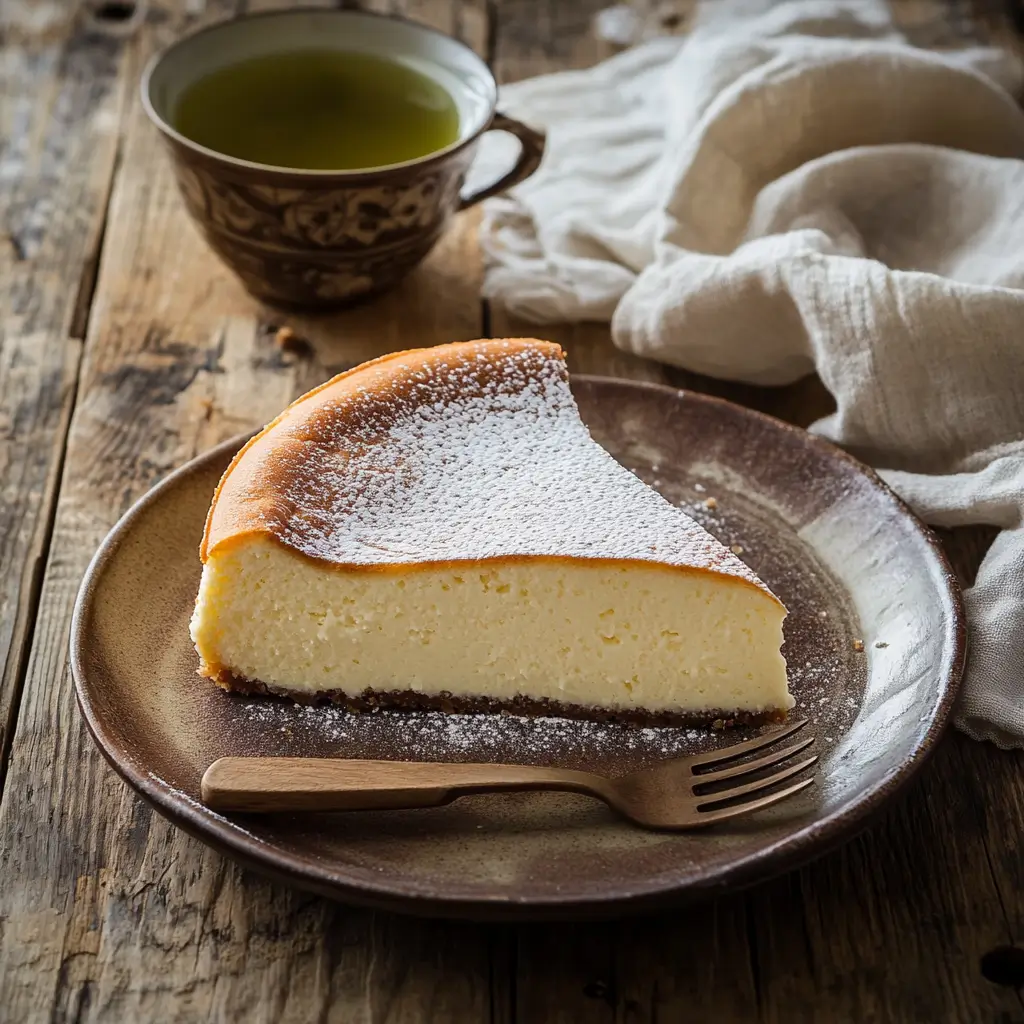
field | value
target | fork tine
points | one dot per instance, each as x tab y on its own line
709	799
754	766
713	757
710	817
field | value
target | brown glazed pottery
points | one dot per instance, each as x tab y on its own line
327	238
874	642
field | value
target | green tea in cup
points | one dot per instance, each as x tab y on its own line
319	110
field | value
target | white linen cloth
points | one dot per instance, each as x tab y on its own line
794	187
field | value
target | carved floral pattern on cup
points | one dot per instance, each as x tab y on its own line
276	276
364	215
341	284
328	216
191	189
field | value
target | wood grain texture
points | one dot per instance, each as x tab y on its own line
264	785
61	90
666	796
107	913
110	914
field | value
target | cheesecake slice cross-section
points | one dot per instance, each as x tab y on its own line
437	529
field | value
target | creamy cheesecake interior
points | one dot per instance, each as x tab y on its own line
437	528
620	636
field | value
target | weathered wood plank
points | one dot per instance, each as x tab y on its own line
996	798
992	781
60	92
891	928
107	912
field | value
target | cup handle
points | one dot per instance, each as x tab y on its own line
531	149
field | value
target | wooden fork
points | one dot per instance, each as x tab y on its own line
683	793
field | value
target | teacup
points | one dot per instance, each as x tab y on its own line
315	237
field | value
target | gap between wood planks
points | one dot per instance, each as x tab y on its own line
79	325
51	234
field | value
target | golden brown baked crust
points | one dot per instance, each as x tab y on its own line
260	472
471	451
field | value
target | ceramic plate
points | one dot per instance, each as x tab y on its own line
874	640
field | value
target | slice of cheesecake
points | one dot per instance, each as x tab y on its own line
437	529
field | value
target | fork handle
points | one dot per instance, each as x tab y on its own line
268	784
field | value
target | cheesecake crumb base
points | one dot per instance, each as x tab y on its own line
371	700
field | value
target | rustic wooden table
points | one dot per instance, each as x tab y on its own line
125	349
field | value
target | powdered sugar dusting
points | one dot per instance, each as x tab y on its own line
437	736
465	452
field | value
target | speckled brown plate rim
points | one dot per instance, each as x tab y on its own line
655	891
